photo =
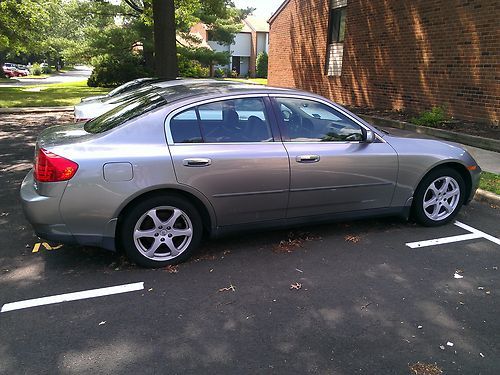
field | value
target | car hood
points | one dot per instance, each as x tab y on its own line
62	134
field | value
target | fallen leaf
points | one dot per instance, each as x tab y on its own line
352	238
449	343
103	322
481	354
420	368
441	347
365	306
231	287
296	286
457	276
171	269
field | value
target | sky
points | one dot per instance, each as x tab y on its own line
264	8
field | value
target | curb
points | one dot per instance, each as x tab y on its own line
471	140
36	109
488	197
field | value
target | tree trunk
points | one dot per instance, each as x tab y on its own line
164	37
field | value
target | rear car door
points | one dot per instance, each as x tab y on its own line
226	149
332	169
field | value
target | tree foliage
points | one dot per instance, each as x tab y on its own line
81	30
261	65
21	23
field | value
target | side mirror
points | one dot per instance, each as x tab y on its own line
370	136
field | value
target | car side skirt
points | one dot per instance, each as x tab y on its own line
402	212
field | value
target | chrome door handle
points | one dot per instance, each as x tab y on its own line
307	159
197	162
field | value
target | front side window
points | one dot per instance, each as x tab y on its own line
306	120
235	120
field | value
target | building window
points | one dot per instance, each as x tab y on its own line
337	25
336	35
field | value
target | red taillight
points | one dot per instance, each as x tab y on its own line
50	167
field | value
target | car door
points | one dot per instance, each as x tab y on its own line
332	169
226	149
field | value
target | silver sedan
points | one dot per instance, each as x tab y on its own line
156	174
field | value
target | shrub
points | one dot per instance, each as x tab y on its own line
191	68
219	73
46	70
113	71
36	69
233	74
262	65
432	118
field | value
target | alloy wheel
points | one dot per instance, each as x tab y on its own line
163	233
441	198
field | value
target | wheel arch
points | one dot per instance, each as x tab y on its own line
455	165
204	207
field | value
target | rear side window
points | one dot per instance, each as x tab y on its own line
124	112
236	120
185	127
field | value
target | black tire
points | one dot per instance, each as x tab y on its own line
161	205
422	195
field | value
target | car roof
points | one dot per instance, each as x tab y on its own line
195	90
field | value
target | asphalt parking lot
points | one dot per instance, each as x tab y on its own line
365	297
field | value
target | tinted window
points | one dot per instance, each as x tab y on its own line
124	112
185	127
237	120
310	121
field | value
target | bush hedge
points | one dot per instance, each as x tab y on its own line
261	63
112	71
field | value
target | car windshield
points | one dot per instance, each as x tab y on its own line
124	112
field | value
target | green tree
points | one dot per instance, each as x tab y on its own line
221	16
261	64
21	25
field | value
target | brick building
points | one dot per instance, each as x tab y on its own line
392	54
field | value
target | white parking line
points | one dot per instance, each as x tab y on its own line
92	293
474	230
474	234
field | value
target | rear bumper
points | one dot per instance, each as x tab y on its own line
42	211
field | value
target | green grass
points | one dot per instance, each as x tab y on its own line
258	81
490	182
53	95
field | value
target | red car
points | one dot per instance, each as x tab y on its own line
11	71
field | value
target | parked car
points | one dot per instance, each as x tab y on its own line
23	70
126	87
95	106
12	71
155	174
